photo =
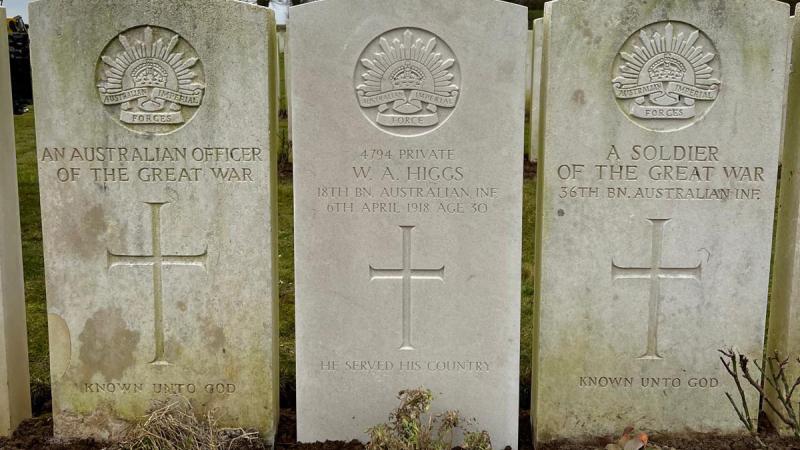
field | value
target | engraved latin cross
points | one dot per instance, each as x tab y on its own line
655	273
157	261
406	274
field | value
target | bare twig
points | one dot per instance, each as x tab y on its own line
773	372
729	361
760	388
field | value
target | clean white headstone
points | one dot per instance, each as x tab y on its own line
408	131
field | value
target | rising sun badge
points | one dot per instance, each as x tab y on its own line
666	76
150	79
407	81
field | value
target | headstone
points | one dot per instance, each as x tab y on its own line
662	130
536	89
529	66
408	132
784	323
157	178
287	75
281	9
281	35
15	394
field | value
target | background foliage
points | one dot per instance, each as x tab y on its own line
539	4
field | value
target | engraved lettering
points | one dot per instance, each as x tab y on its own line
406	81
666	76
150	79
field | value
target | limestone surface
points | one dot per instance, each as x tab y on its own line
155	133
662	129
529	67
408	123
784	324
15	401
536	88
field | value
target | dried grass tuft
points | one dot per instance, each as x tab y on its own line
174	424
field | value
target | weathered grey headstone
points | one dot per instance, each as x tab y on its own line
281	35
784	323
662	128
287	74
536	89
158	191
15	399
408	132
528	66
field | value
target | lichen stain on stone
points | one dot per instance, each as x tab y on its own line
60	345
214	334
107	328
579	97
174	349
92	228
587	30
719	8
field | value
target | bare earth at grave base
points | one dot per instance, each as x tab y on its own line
685	442
38	432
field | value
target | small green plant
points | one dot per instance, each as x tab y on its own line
173	424
412	427
478	441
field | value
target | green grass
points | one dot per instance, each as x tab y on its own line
286	279
528	239
34	265
33	260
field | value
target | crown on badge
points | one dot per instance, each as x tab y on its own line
149	74
667	69
408	77
408	64
149	63
665	58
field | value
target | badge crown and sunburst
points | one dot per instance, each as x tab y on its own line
668	58
410	64
150	64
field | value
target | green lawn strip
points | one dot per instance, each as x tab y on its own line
33	260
